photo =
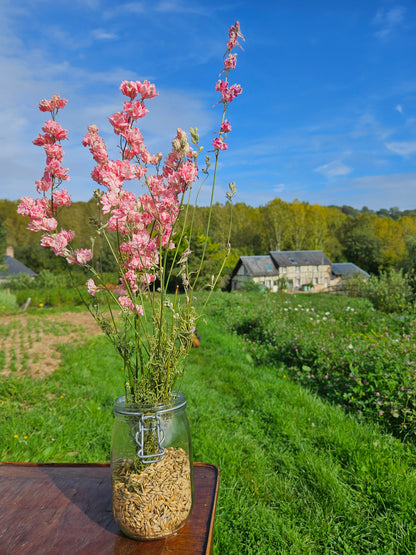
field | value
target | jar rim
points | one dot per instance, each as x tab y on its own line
177	401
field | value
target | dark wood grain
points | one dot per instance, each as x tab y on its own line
64	508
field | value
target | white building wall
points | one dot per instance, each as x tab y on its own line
316	276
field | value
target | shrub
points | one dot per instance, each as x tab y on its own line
389	292
253	286
20	282
46	280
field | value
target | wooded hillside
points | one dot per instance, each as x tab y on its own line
372	240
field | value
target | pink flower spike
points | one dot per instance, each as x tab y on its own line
234	33
46	106
43	139
30	207
54	151
230	62
44	184
55	169
129	88
81	257
61	198
226	127
92	288
135	109
48	224
58	242
236	90
219	144
138	309
53	129
125	302
120	122
58	102
55	103
228	93
146	89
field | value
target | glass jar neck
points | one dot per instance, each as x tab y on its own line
177	402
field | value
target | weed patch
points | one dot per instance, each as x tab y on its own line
345	350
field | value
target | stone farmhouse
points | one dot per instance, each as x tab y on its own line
295	270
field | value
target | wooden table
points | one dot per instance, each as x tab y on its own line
66	509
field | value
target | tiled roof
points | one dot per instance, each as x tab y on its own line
300	258
259	265
347	270
12	267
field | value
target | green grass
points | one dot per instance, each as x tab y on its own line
7	301
298	475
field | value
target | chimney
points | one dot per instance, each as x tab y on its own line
10	252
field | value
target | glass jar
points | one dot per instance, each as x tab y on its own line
151	468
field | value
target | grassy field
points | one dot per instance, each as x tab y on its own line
299	474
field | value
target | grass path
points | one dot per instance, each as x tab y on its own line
298	476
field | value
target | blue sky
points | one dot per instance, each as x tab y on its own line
327	114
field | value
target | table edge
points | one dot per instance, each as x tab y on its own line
211	466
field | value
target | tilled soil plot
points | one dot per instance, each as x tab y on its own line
28	344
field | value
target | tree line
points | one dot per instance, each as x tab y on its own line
375	241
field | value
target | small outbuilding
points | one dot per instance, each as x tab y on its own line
347	270
259	269
12	267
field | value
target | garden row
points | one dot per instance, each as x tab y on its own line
342	348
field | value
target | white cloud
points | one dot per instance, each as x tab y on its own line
374	191
389	21
399	108
164	6
403	148
279	188
120	10
367	125
133	7
100	34
334	169
177	6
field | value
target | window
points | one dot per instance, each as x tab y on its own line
297	269
315	281
297	282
